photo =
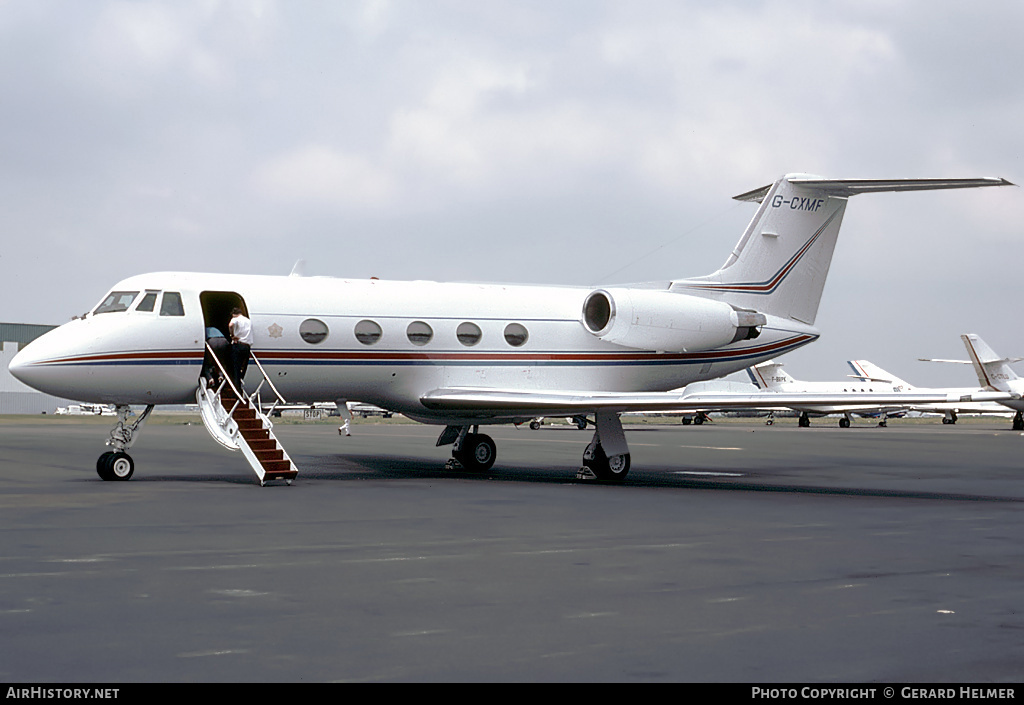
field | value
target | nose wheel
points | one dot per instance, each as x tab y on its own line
115	465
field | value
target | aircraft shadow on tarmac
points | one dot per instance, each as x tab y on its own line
375	467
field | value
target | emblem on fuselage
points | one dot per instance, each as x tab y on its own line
274	330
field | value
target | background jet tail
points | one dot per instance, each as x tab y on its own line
869	372
993	372
769	375
780	264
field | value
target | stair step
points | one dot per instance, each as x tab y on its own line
265	456
249	423
277	466
287	475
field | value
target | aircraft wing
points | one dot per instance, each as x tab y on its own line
510	403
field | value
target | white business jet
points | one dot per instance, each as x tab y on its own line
830	397
994	373
950	410
834	397
455	354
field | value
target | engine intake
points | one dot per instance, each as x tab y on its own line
664	320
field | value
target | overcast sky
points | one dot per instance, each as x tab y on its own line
557	141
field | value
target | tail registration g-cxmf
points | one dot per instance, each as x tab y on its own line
459	355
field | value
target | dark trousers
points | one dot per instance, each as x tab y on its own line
239	363
222	349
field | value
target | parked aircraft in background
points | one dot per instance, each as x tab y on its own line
86	410
949	410
770	376
459	355
994	373
833	397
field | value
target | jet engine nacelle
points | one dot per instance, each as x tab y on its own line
663	320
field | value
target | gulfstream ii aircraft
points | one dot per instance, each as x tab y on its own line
455	354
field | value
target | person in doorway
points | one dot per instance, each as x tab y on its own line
222	349
241	344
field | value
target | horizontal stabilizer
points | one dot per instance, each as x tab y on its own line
1010	360
844	188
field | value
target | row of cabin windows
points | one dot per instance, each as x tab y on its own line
419	333
312	330
116	301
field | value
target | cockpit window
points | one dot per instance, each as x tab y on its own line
148	302
171	305
116	301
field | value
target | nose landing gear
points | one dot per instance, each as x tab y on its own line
117	464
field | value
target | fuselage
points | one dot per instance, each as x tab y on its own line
380	342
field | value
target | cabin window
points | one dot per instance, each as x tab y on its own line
419	333
368	332
313	331
116	301
171	304
148	302
469	334
516	334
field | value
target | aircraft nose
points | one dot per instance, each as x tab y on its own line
23	367
32	364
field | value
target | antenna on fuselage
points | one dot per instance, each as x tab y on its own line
299	268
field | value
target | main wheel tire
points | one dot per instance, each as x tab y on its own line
607	469
478	452
103	466
844	422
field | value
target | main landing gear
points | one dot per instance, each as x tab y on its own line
474	451
606	457
1018	421
117	464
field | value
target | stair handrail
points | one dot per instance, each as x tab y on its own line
238	395
266	378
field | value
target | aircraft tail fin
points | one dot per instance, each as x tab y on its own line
780	264
866	371
993	372
769	375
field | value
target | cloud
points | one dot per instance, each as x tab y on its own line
551	141
318	175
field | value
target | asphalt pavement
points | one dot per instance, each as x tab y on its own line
734	552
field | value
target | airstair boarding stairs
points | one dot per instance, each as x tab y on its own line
237	422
